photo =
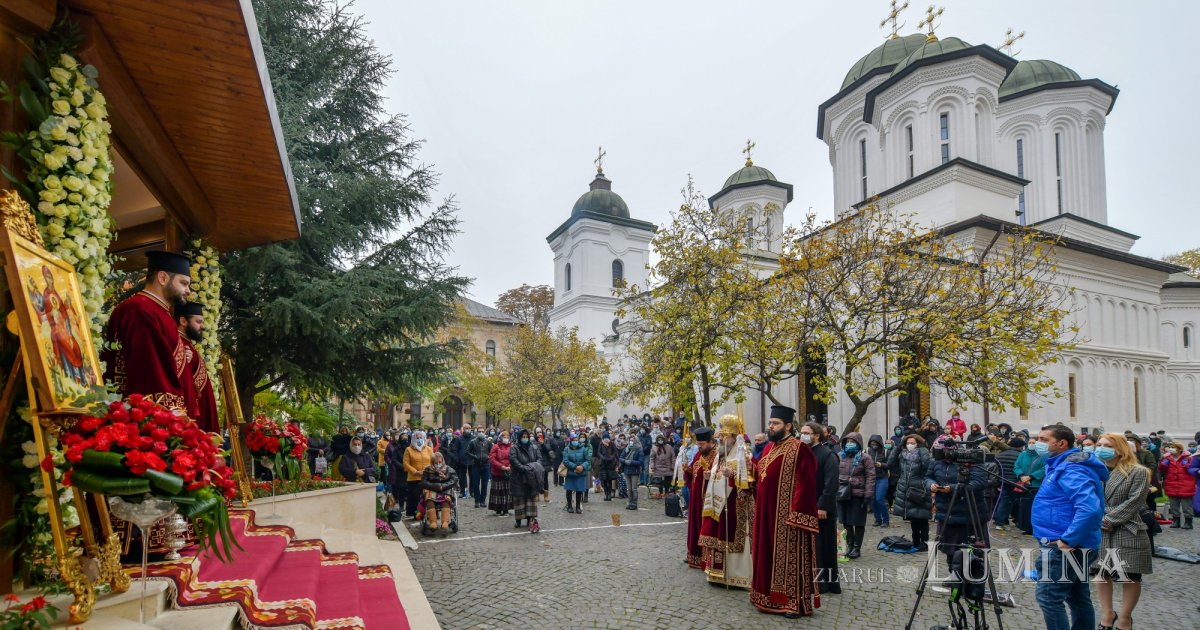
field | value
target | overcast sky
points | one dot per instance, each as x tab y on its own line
513	97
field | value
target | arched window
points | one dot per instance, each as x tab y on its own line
768	219
490	348
944	135
1187	337
568	276
618	274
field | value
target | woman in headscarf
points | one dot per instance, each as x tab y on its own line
621	442
609	458
439	482
526	479
578	463
499	500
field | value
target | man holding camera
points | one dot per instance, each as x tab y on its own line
954	522
1067	515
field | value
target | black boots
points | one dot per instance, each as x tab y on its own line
1187	523
570	505
578	506
854	539
1175	522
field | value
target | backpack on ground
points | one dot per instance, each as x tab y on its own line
672	502
897	544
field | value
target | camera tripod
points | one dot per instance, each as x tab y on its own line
958	614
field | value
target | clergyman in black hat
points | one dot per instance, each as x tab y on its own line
695	481
201	401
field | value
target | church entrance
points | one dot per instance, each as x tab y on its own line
810	400
452	412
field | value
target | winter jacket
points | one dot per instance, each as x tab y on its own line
350	462
554	447
462	448
945	473
662	461
1177	482
498	458
879	456
394	456
479	450
632	459
1005	460
432	481
1031	464
910	475
646	443
1070	504
522	457
857	470
826	479
416	461
958	427
609	462
573	457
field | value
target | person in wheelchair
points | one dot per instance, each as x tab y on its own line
439	483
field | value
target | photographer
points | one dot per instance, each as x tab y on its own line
954	525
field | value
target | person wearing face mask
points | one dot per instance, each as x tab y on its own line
856	471
633	463
1029	469
499	499
1147	459
1178	483
1122	530
417	458
825	485
1006	461
662	464
609	462
526	480
357	465
621	442
912	502
577	462
879	505
1067	515
340	445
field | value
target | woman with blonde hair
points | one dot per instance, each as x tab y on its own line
1122	530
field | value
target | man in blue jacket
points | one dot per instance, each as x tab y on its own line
1067	513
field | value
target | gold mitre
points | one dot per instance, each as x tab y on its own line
731	426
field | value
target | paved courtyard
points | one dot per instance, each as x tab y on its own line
581	572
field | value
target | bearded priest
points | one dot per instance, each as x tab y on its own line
197	386
728	510
695	477
146	353
785	523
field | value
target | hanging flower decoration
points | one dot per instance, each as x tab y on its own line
284	445
68	170
206	290
140	447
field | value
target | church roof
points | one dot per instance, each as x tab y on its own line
885	55
601	200
1035	73
930	49
487	313
749	174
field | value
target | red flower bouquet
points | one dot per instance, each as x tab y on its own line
283	444
140	447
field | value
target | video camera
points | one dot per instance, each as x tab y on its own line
963	452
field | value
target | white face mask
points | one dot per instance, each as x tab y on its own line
911	447
806	438
356	449
1132	444
1173	451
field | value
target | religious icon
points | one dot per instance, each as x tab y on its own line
54	326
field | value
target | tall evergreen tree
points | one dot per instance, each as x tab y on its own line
352	307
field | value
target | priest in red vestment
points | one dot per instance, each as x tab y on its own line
198	388
785	523
695	475
148	357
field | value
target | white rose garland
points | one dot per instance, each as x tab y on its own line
206	290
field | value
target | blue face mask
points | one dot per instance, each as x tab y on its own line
1105	453
524	440
1041	448
576	443
1089	449
850	448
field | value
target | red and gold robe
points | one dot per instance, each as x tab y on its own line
198	390
785	529
149	358
722	540
694	476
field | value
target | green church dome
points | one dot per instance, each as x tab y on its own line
601	200
749	174
931	49
1035	73
889	53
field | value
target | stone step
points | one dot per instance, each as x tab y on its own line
115	605
224	617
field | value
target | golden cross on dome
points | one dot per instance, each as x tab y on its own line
599	161
894	18
747	151
931	14
1009	40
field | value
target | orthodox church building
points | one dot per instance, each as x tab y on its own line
969	140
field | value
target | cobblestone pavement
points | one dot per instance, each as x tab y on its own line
581	572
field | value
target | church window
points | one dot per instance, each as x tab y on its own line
908	147
618	274
944	125
767	221
1187	337
1137	401
862	164
1058	169
1021	173
1071	394
490	348
568	276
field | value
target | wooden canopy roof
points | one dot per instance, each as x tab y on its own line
193	115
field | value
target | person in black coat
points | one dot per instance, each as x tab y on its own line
340	444
826	482
462	459
555	446
954	525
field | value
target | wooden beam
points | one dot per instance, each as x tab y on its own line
24	17
143	142
136	236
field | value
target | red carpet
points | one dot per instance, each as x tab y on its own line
277	580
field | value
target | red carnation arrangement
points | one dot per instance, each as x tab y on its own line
141	447
284	444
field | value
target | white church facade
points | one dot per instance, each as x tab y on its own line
970	140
